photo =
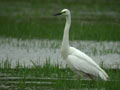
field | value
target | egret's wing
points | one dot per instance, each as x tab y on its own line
80	61
77	64
84	57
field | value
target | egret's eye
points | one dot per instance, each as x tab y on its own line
63	12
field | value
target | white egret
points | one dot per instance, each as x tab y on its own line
78	61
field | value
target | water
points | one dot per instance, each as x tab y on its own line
38	51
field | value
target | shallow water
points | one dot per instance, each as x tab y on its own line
39	51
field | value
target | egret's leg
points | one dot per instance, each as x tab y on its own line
78	77
90	76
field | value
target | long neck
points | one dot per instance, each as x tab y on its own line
65	42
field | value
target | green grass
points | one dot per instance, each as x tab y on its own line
59	78
53	29
34	19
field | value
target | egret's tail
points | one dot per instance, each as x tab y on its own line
103	75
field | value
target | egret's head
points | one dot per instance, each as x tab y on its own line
63	12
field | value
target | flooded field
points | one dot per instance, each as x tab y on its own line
51	83
52	78
30	42
33	64
38	51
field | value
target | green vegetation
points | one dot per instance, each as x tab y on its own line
48	76
34	19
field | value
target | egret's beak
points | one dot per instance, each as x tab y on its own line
58	14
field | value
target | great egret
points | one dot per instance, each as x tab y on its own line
78	61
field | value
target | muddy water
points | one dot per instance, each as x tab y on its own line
38	51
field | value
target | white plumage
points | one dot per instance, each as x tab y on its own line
78	61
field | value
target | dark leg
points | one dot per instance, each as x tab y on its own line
90	76
78	77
